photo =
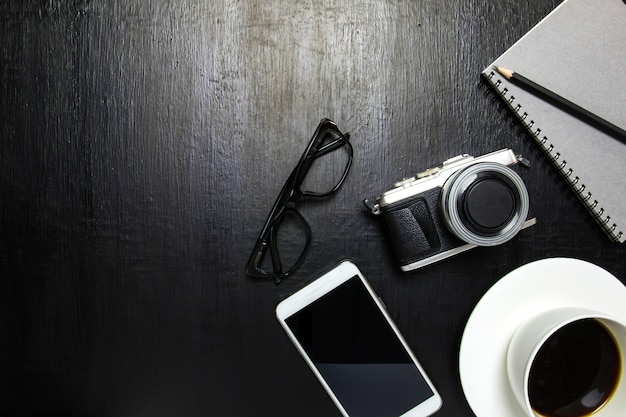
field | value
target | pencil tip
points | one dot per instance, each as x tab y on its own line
505	72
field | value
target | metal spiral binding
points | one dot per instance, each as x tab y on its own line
618	237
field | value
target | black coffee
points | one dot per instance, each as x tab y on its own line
575	372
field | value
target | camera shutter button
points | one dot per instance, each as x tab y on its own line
489	203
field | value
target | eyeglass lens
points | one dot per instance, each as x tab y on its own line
328	168
289	241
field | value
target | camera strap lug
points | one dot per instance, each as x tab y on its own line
524	162
372	207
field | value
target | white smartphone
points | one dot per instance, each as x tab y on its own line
343	331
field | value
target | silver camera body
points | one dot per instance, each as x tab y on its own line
463	203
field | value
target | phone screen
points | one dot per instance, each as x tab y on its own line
357	352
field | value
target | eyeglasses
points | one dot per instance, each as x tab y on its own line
322	169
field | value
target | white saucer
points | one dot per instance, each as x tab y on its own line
531	289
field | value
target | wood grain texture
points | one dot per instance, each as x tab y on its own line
143	144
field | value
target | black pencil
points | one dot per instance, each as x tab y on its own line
563	103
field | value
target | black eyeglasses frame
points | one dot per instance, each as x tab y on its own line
291	192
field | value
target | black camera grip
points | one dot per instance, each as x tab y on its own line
412	230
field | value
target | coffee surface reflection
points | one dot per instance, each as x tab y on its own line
575	372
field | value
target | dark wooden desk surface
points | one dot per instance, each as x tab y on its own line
143	144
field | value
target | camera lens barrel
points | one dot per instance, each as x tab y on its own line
485	203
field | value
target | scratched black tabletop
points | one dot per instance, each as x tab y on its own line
143	144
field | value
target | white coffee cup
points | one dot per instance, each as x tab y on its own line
531	336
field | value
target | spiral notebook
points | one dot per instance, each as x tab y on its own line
577	51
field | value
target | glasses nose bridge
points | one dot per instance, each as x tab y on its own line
290	205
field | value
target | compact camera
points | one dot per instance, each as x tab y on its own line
463	203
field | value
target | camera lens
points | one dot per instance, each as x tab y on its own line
485	204
488	203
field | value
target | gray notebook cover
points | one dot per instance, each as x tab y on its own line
578	51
